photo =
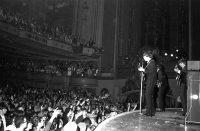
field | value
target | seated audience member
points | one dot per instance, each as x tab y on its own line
71	126
20	123
3	111
85	124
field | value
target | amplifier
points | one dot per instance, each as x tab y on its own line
193	65
193	96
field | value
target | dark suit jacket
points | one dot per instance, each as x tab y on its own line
183	76
151	74
162	77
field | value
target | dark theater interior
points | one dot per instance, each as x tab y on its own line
99	65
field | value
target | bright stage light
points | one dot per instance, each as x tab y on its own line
194	97
172	55
177	50
166	54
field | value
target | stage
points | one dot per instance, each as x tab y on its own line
170	120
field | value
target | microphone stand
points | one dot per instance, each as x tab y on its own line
141	85
141	82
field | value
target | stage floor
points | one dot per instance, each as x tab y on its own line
170	120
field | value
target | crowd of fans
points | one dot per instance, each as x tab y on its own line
34	25
76	69
36	109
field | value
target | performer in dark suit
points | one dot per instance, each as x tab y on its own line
163	86
150	81
182	81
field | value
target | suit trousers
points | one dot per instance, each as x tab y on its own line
150	100
183	96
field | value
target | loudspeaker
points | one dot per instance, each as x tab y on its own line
193	96
193	65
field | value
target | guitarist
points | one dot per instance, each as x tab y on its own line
182	82
150	72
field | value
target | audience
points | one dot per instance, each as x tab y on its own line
56	32
36	109
76	69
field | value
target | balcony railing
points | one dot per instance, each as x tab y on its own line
35	37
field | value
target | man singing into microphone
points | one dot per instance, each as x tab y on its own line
150	81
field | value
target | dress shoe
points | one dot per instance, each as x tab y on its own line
160	110
149	114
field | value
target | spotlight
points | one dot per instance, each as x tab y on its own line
194	97
166	54
176	57
172	55
127	58
177	50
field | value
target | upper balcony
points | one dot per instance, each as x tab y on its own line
23	38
